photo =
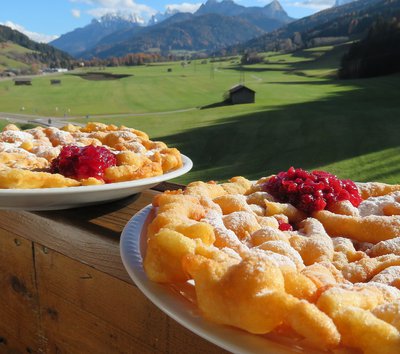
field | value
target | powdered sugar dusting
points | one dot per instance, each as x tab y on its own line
375	205
12	136
228	237
239	220
257	209
279	260
58	136
391	293
47	152
388	275
391	246
231	253
343	244
284	249
10	147
259	198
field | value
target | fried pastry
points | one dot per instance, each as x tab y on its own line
300	253
72	156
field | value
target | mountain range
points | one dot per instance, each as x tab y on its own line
207	29
343	2
214	25
335	25
83	39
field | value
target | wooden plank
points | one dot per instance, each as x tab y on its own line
69	330
98	300
181	340
19	309
119	306
89	235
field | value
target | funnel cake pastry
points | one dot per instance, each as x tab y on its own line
77	156
297	255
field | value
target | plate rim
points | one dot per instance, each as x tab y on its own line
186	167
130	251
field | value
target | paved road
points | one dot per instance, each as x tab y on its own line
27	118
61	121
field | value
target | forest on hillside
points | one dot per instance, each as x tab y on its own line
42	52
377	54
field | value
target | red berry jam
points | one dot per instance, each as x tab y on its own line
311	191
83	162
284	226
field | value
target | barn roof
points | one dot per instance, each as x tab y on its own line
239	87
22	80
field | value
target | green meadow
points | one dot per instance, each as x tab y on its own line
303	115
9	53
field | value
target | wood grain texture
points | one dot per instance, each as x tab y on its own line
117	304
69	330
114	317
90	235
64	289
181	340
19	306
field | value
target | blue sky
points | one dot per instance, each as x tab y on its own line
44	20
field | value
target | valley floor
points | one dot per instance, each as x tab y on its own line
303	115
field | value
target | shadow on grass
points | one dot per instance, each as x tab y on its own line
306	82
216	104
319	59
342	126
312	60
257	69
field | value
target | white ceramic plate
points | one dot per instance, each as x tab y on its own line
178	306
71	197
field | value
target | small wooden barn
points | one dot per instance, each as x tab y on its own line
19	82
240	94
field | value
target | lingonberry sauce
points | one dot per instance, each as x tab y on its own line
284	226
311	191
83	162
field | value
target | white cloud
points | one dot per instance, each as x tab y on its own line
76	13
128	7
184	7
313	4
124	13
38	37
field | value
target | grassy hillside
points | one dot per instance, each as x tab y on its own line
11	55
41	53
303	116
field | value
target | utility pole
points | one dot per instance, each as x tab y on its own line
241	75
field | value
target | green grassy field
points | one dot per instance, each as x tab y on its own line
3	123
9	53
303	116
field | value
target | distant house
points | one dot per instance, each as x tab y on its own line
8	74
240	94
19	82
55	70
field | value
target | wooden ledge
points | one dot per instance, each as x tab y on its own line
89	235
